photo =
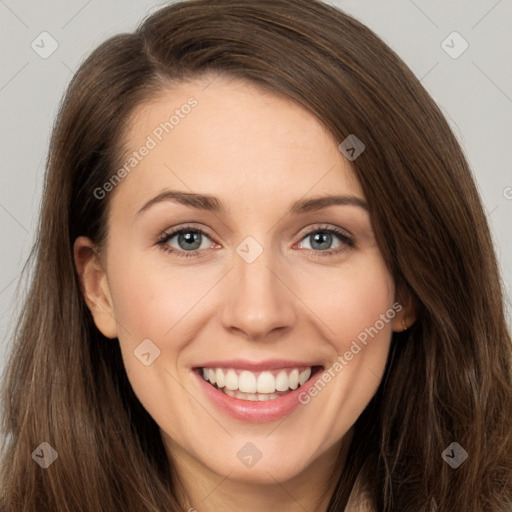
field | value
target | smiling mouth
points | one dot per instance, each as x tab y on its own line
257	386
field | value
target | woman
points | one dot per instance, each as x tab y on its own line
263	281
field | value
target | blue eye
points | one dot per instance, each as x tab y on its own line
322	240
192	241
189	241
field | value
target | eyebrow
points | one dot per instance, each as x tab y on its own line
211	203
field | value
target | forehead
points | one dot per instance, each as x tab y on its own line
231	139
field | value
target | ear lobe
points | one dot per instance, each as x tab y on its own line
406	316
94	286
404	320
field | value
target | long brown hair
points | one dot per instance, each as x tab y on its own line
448	378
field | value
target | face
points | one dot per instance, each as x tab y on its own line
282	302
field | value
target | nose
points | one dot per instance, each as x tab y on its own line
259	303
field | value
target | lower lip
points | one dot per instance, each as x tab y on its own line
256	412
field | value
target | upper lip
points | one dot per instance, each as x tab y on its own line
256	366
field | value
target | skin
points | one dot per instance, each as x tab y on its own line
257	153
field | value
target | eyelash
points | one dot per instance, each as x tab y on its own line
162	242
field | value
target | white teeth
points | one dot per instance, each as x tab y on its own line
282	382
304	376
219	377
253	397
294	378
266	383
247	382
255	387
231	381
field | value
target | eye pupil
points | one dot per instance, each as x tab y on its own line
191	238
322	239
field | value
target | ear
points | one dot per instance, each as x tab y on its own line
407	315
94	286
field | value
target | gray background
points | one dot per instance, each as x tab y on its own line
473	90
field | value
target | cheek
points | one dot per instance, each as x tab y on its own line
360	341
148	305
356	303
154	300
152	295
350	299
